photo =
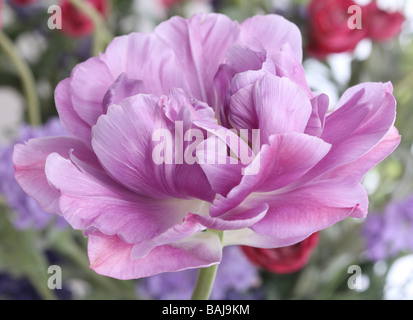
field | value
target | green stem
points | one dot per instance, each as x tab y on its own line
27	79
205	279
101	36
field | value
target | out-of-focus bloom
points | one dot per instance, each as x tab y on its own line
285	259
170	3
382	25
329	30
145	217
389	233
236	278
28	213
75	23
23	2
328	27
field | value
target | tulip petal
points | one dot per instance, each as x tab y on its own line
110	256
123	141
91	199
29	160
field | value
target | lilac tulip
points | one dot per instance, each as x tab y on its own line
216	77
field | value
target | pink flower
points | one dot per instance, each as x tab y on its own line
144	217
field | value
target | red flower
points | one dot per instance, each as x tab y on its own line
75	23
170	3
328	27
283	260
382	25
329	30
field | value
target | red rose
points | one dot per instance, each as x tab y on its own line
283	260
382	25
329	31
75	23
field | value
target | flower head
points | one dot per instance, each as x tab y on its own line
158	125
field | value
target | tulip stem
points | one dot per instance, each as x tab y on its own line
206	277
27	79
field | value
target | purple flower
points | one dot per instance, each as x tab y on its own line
203	124
389	233
236	278
28	212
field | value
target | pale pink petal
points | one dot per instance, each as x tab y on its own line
310	208
271	32
320	106
110	256
365	114
123	141
283	161
201	44
69	118
29	160
91	199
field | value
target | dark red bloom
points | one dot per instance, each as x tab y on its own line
283	260
329	31
382	25
75	23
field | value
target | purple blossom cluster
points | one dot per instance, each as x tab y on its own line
28	212
389	233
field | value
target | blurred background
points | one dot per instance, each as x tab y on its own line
42	258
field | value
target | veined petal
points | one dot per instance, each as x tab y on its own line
311	208
123	140
29	160
110	256
281	106
91	199
284	160
364	115
271	32
69	118
201	43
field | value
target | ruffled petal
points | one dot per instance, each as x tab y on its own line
201	44
29	160
364	115
91	199
110	256
124	142
271	32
